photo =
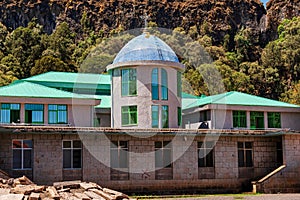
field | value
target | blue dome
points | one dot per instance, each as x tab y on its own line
146	47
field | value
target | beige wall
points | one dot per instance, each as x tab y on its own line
290	120
80	111
143	100
221	116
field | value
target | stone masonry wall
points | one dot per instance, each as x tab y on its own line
288	179
48	156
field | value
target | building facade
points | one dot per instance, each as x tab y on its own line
135	130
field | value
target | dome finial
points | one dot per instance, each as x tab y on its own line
145	17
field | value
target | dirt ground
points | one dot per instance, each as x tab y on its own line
242	197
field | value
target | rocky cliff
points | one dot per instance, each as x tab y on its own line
216	17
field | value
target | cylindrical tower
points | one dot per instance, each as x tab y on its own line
146	85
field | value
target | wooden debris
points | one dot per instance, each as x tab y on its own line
117	194
4	191
87	186
24	189
103	194
34	196
53	193
93	195
25	181
67	184
12	197
81	196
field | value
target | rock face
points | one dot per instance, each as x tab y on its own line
216	17
279	10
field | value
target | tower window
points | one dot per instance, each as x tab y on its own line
154	84
165	116
179	83
129	115
155	116
129	87
164	84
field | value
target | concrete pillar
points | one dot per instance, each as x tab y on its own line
248	119
266	120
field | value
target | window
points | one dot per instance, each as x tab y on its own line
179	116
119	159
129	115
72	154
129	82
163	154
34	113
245	157
164	84
274	120
257	120
179	83
10	113
165	116
239	119
119	154
154	84
206	154
155	116
22	154
57	114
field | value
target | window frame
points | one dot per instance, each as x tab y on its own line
72	149
165	119
208	149
163	147
57	113
239	119
33	110
127	83
272	119
179	116
129	112
242	147
179	84
155	84
22	154
164	85
254	115
117	145
156	112
9	109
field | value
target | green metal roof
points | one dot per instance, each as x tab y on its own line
105	101
236	98
72	80
27	89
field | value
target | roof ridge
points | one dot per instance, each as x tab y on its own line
49	88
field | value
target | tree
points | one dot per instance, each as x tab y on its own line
283	54
24	44
292	95
49	63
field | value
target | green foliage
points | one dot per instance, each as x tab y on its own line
49	63
24	44
283	55
292	95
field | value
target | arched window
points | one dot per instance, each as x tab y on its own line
164	84
154	84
